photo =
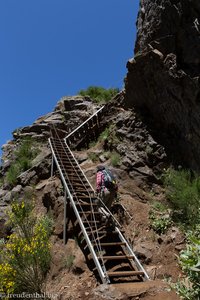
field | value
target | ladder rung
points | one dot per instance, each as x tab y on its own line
93	228
86	204
102	232
70	163
117	257
100	228
77	183
82	190
90	212
88	221
125	273
79	176
113	244
81	196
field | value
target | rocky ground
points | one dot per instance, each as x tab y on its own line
156	252
141	161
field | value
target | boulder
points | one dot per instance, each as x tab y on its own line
28	177
17	189
143	251
109	292
8	197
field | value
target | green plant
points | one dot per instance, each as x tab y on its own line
12	174
23	158
93	156
2	241
149	150
47	223
160	222
99	94
69	261
1	181
109	136
105	134
92	144
183	191
25	257
115	159
159	206
190	264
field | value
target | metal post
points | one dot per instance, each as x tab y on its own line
52	163
64	221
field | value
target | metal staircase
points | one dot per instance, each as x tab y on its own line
112	257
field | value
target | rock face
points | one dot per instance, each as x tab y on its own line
69	112
140	160
162	83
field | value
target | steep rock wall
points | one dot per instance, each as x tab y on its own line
162	82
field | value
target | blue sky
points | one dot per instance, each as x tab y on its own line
53	48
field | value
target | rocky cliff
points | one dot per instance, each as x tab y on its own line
140	159
162	82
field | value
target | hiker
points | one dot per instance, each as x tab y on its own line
106	187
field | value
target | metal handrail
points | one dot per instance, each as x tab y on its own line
99	250
103	276
101	268
82	124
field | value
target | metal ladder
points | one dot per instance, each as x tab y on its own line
113	258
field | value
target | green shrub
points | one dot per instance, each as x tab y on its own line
69	261
25	150
12	174
25	257
105	134
93	156
1	181
109	136
159	206
183	191
115	159
99	94
160	222
92	144
190	264
23	158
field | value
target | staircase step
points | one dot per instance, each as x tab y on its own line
89	212
125	273
86	204
116	257
113	244
78	183
103	232
82	190
91	221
